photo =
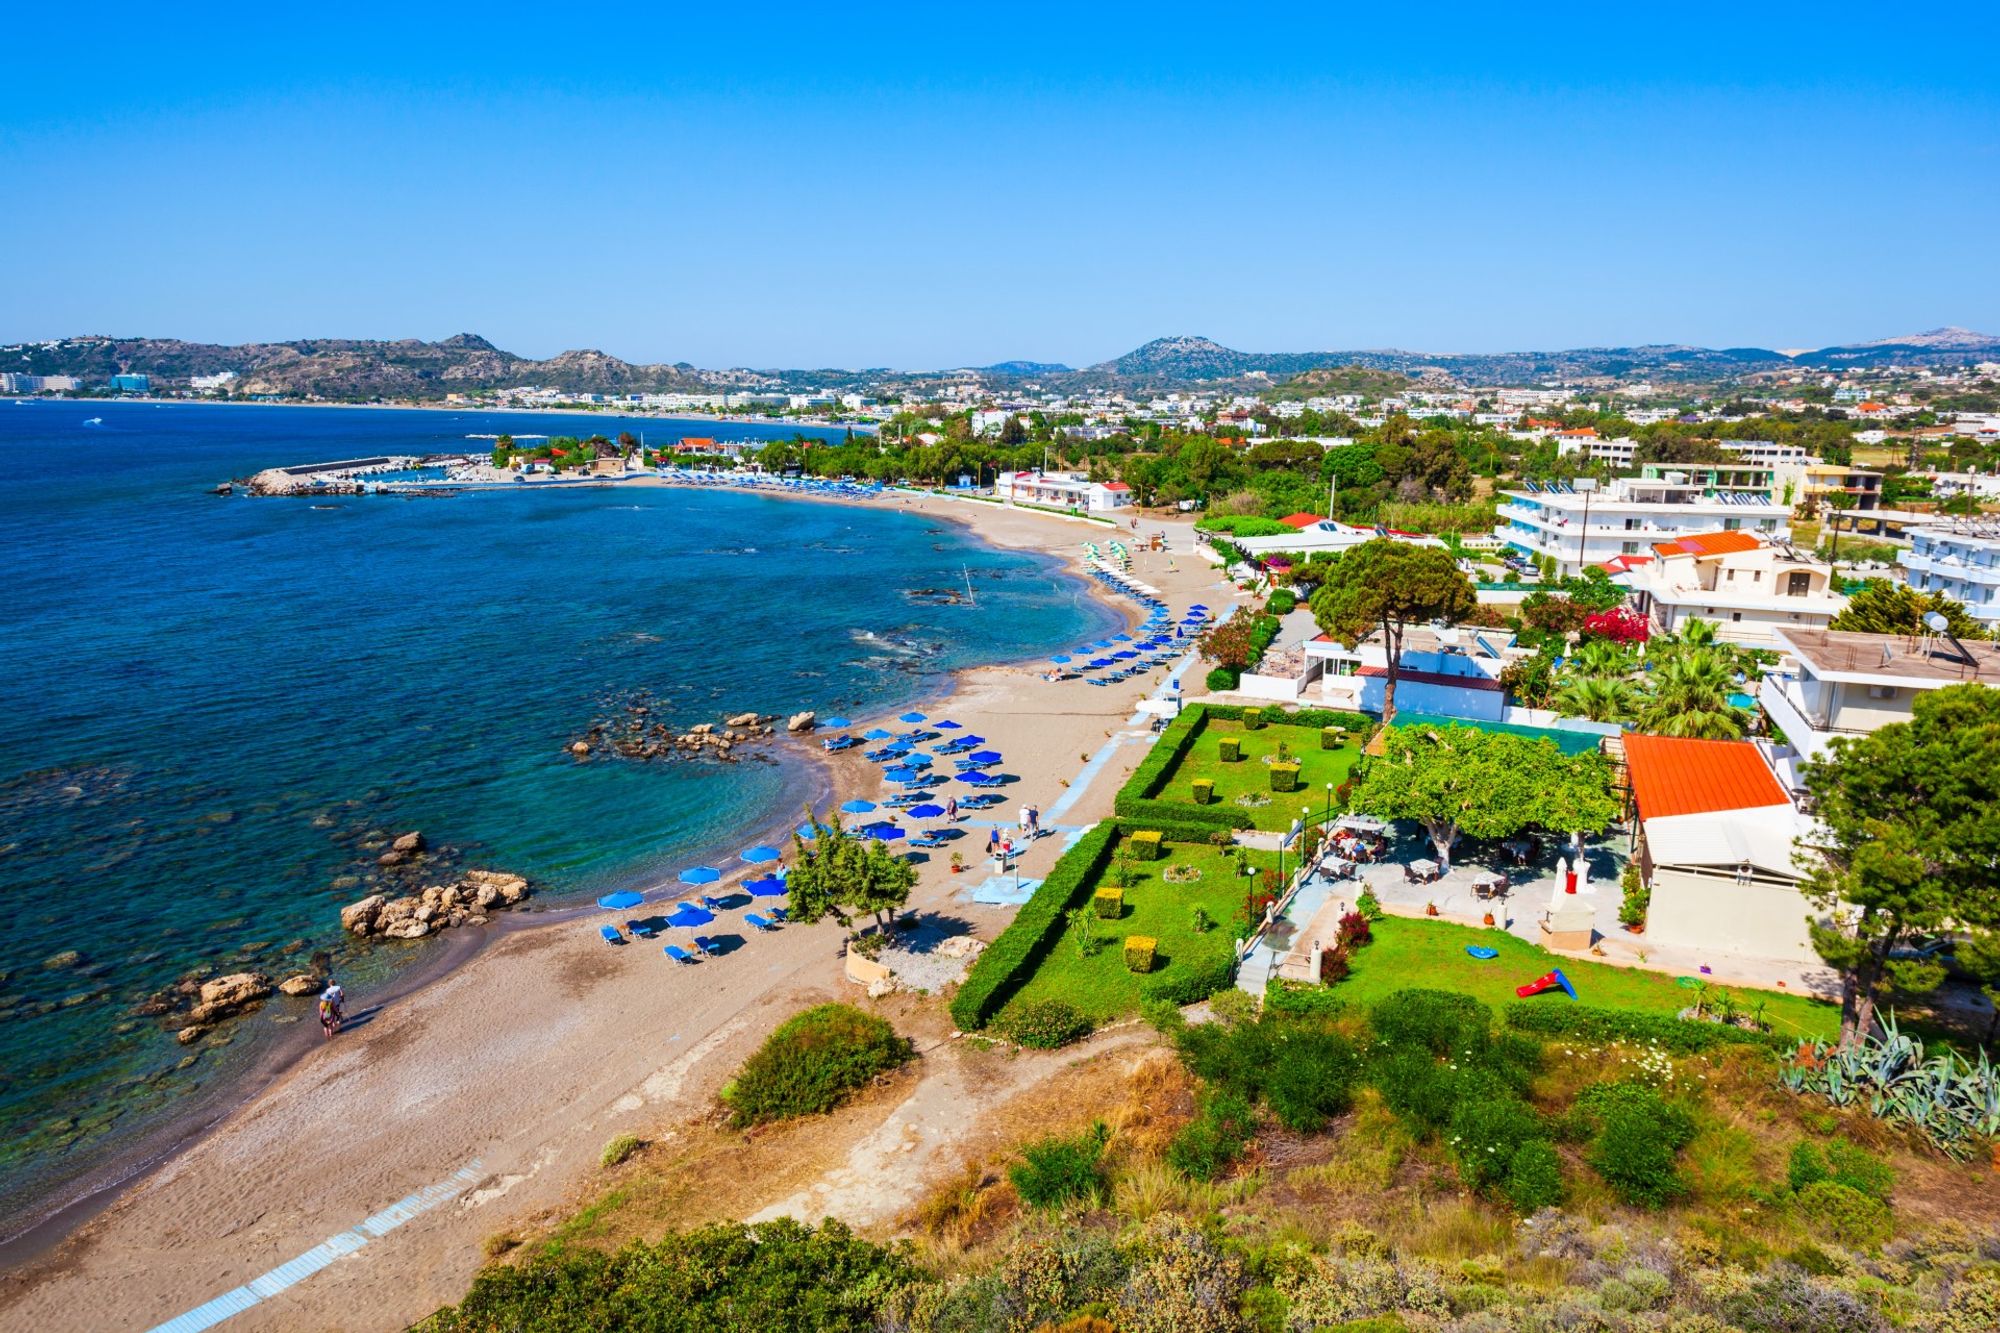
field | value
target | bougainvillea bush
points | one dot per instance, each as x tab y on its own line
1620	625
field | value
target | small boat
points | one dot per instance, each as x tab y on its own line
94	421
326	506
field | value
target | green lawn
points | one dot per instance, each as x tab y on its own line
1432	954
1100	986
1251	776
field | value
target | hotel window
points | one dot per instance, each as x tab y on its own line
1881	691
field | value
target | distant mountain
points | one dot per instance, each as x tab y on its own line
353	370
1946	346
1022	369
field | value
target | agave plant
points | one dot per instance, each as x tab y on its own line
1947	1098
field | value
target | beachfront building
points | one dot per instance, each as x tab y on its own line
1062	490
1960	560
1313	535
1580	524
1744	585
1837	683
1452	673
1715	833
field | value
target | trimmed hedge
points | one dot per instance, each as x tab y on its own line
1011	959
1285	996
1135	804
1176	829
1189	983
1680	1035
1139	951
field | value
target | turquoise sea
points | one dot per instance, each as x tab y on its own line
211	708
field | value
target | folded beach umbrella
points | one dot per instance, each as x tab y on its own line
759	854
911	717
771	887
687	914
985	757
857	806
876	734
926	811
621	901
834	722
700	875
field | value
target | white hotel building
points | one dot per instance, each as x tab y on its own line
1960	560
1582	527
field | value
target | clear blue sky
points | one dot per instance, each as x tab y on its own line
945	185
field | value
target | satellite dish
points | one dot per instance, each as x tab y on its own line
1937	622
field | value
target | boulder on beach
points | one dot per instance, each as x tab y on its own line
226	995
509	889
800	721
742	720
193	1032
409	842
301	984
360	917
579	748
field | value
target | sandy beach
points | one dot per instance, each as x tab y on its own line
447	1116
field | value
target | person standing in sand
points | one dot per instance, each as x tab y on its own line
951	809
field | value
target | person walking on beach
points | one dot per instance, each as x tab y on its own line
993	841
951	809
1034	822
1022	819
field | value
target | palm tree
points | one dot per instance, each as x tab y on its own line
1599	698
1601	658
1691	698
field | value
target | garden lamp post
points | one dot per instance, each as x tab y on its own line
1329	802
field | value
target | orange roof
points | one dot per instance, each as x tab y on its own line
1302	520
1671	776
1709	543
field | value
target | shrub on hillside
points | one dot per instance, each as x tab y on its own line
1311	1077
1857	1220
1485	1135
1534	1178
1221	678
1852	1166
1056	1170
1045	1025
812	1062
1638	1141
729	1277
1441	1022
1216	1137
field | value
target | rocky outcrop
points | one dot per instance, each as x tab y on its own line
639	735
301	984
437	907
408	843
798	722
229	995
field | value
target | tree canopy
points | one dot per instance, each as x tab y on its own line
838	875
1910	845
1390	585
1883	607
1490	784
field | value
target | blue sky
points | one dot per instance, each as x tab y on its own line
931	186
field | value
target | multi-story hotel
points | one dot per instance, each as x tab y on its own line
1582	525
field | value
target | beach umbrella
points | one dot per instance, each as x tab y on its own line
1121	638
857	806
622	900
924	811
835	722
972	740
772	887
759	854
946	726
985	757
876	734
687	914
1060	659
883	832
1125	656
905	775
911	717
1196	606
974	775
806	831
700	875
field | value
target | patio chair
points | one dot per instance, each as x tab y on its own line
707	945
611	935
713	904
759	922
640	929
678	954
780	914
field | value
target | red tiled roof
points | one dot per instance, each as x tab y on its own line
1302	520
1116	486
1709	543
1620	564
1671	776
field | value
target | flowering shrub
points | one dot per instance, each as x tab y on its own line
1354	930
1620	625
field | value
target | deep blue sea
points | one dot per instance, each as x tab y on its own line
212	708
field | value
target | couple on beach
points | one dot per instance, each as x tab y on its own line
332	1008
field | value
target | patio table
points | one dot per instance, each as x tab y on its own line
1424	868
1336	867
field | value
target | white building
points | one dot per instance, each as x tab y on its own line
1960	560
1580	524
1841	684
1745	586
1062	490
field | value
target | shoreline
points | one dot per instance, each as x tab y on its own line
577	410
819	776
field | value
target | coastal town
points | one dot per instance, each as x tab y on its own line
869	670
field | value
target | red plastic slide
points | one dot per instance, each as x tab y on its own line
1553	981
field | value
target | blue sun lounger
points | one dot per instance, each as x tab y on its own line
707	945
780	914
678	954
640	928
759	922
611	935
